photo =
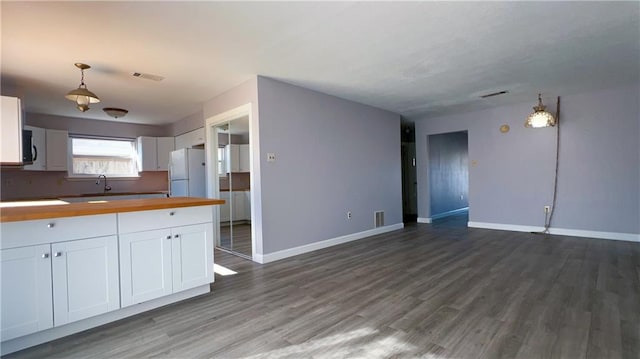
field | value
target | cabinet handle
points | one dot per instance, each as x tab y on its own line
168	237
45	255
57	254
172	213
51	225
176	236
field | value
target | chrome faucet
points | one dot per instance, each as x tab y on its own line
106	187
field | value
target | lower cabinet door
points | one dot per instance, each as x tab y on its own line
192	253
85	278
145	266
26	295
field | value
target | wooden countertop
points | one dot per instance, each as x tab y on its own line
12	214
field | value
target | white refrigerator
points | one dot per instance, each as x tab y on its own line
187	173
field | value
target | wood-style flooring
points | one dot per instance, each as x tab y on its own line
431	291
241	238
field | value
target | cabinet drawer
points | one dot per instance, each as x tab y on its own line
163	218
41	231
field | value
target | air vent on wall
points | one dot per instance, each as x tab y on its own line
147	76
494	94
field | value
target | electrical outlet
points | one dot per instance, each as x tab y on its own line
348	215
547	209
271	157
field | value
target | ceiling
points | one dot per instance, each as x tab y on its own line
412	58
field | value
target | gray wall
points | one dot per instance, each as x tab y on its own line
511	175
332	156
189	123
448	171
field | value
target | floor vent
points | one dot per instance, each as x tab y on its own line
378	218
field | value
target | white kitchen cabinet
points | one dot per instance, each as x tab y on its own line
247	205
57	268
237	203
26	291
11	124
232	157
68	281
192	256
243	161
165	145
225	209
190	139
161	262
237	157
155	263
57	152
147	153
145	266
38	149
154	153
239	213
85	278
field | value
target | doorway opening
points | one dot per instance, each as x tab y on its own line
449	178
409	180
230	179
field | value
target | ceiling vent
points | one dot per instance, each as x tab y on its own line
494	94
147	76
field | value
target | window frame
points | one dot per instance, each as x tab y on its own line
78	176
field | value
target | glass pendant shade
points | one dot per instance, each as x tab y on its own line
540	117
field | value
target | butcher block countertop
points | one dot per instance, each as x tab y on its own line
57	209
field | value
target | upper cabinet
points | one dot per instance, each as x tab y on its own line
165	146
48	149
38	149
11	131
154	153
237	158
190	139
57	152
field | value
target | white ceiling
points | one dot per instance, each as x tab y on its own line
413	58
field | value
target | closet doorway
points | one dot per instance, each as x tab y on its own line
230	180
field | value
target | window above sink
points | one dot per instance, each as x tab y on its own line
94	156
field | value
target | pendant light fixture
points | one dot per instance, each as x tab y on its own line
82	96
540	117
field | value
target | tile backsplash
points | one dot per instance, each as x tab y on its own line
16	184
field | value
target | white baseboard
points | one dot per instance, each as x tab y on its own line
424	220
449	213
617	236
286	253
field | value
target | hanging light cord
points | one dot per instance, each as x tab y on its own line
82	79
548	217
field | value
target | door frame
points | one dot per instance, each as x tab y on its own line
211	153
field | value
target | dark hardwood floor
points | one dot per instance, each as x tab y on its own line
431	291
